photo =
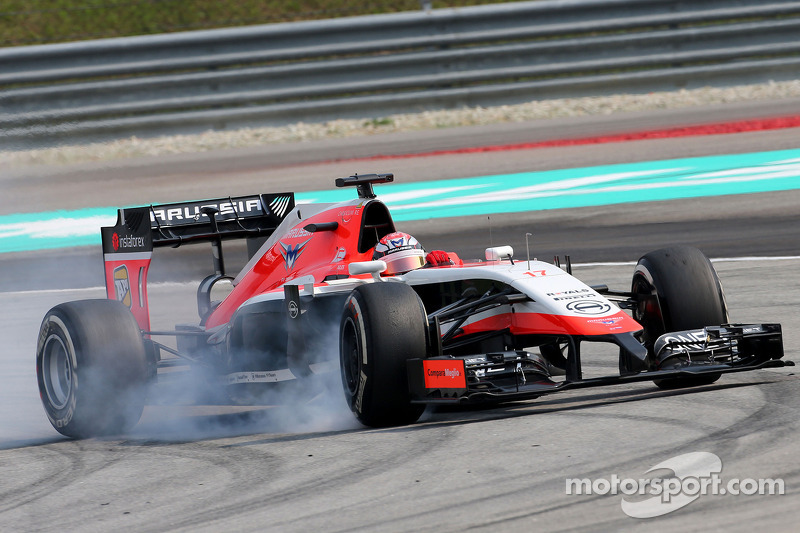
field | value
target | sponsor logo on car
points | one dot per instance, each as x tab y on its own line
573	291
279	205
694	340
126	241
264	376
297	233
347	215
122	285
610	321
183	214
588	307
290	253
687	336
441	374
574	294
340	253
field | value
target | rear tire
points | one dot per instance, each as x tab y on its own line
92	368
383	325
690	296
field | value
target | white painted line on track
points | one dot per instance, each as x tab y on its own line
713	260
757	258
605	264
150	286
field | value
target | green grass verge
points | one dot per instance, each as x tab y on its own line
26	22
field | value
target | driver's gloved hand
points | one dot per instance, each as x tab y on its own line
437	258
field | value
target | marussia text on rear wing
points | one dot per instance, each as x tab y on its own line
128	245
151	226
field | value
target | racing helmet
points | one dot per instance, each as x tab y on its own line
400	251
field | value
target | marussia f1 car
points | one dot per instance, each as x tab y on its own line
408	333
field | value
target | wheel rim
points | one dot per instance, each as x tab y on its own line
351	362
641	287
57	372
646	313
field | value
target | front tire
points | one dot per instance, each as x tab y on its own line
92	368
689	296
383	325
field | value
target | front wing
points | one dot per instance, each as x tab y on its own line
520	375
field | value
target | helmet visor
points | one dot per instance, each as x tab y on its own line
403	264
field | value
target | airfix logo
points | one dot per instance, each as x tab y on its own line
122	285
441	374
291	253
279	205
339	257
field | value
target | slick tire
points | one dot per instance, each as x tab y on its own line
92	368
689	295
383	325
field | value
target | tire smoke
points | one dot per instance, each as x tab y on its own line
185	403
189	403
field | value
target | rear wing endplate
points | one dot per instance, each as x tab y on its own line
128	245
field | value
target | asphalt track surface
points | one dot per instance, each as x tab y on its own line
307	466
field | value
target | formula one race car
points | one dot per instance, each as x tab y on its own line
411	328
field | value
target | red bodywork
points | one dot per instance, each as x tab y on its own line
322	246
299	253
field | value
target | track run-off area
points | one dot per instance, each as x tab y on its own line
306	465
483	195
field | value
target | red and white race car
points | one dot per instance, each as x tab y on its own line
411	328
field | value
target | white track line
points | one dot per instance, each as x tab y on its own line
716	260
163	284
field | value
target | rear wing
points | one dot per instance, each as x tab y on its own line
128	245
